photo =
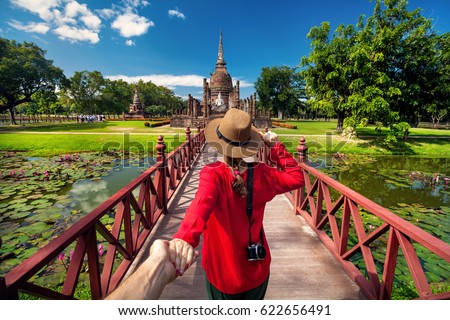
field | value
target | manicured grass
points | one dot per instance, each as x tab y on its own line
58	144
308	127
107	126
370	146
421	132
321	138
326	127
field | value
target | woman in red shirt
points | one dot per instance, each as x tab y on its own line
218	210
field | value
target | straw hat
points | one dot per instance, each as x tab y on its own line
233	135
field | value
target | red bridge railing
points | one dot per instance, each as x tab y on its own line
333	210
337	220
135	209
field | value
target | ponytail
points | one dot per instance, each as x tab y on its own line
238	182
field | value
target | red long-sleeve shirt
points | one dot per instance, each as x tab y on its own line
219	213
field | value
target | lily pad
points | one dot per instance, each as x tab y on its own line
45	217
35	196
35	202
28	253
51	196
43	205
35	228
25	208
18	215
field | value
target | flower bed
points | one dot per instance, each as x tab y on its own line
284	125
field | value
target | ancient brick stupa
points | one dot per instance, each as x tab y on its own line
218	96
136	108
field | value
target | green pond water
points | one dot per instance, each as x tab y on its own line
35	208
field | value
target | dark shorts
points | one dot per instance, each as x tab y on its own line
257	293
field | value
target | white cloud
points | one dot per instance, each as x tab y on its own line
243	83
72	20
69	19
41	28
130	24
76	34
130	43
176	13
73	9
136	3
166	80
106	13
40	7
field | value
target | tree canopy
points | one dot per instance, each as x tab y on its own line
280	90
32	83
391	67
24	71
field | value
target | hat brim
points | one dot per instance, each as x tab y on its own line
225	148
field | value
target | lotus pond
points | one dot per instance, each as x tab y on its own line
41	197
416	189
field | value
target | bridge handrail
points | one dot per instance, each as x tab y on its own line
133	221
314	203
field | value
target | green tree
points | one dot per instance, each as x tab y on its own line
329	71
281	90
116	96
24	71
439	105
387	68
153	95
86	91
45	102
403	42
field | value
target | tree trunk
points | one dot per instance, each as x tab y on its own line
11	115
435	120
340	123
280	114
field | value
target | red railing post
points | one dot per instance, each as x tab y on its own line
190	149
299	194
302	150
161	158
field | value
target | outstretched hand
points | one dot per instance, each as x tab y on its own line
182	255
166	260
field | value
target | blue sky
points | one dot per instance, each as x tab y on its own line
174	42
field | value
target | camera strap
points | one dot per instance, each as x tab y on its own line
249	203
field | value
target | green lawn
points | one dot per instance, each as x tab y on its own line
371	146
58	144
321	138
103	127
308	127
422	132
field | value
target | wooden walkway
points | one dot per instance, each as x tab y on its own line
302	268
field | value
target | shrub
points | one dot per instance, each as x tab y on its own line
147	124
284	125
160	123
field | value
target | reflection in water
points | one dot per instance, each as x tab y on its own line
87	194
389	180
